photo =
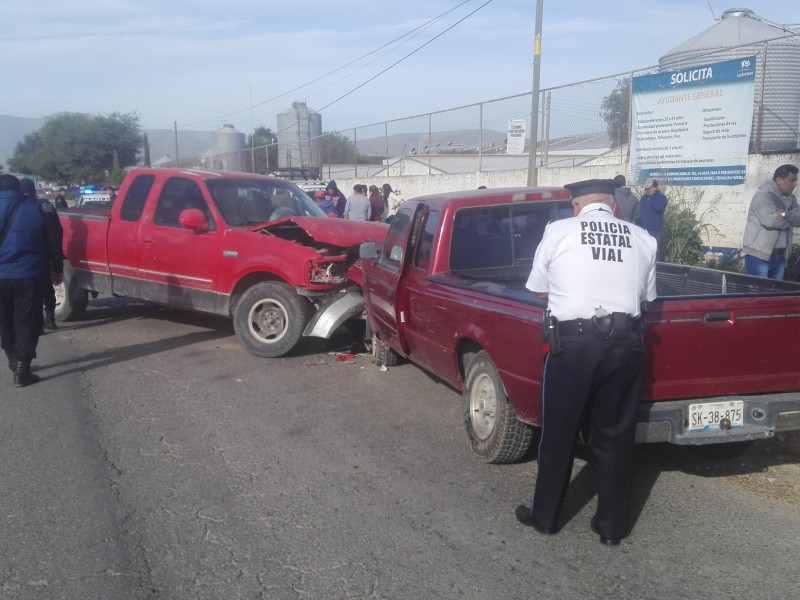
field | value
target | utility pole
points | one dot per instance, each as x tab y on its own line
176	144
537	60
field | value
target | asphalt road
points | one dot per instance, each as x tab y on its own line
158	459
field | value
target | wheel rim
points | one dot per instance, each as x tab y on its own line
268	321
483	406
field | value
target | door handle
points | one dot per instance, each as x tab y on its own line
716	316
147	242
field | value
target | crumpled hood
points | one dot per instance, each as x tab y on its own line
338	232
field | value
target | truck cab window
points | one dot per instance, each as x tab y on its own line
422	256
135	198
177	195
393	245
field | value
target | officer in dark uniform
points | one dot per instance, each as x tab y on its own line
595	271
24	253
55	236
61	198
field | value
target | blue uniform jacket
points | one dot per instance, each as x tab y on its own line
651	211
24	253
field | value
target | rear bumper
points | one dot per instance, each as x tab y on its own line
764	416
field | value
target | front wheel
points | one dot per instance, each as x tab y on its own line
71	300
383	354
269	319
493	430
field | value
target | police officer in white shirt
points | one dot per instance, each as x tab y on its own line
595	271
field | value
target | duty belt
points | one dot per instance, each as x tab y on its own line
616	324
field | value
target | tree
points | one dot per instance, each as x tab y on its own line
265	144
146	145
616	112
338	149
78	147
116	172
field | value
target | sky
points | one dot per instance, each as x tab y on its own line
200	63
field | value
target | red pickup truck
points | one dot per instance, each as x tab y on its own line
447	292
251	247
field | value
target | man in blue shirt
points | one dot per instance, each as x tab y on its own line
24	259
652	205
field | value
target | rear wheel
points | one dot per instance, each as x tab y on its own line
269	319
71	300
493	430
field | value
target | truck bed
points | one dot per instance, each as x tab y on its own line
672	282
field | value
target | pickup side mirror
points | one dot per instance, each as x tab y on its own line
367	250
194	219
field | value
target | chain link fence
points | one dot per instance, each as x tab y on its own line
583	123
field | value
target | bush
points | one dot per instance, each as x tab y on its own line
792	267
683	230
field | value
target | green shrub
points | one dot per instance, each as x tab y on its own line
684	229
792	267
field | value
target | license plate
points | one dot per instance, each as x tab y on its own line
709	415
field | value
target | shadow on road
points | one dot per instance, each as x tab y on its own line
651	460
108	357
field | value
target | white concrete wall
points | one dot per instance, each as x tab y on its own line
724	207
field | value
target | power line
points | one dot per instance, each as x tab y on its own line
406	56
397	62
397	39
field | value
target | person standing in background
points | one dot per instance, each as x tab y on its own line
61	198
358	206
376	202
337	198
626	200
771	219
652	205
391	200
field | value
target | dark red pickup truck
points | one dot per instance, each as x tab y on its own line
251	247
447	292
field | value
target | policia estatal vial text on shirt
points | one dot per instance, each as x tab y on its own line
595	271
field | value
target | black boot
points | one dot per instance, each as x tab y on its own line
50	320
22	373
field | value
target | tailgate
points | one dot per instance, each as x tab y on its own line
717	346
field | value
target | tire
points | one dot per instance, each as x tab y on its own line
269	319
493	430
71	300
384	355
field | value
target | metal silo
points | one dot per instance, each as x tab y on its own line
228	146
299	139
740	32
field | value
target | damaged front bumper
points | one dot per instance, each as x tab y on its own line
344	305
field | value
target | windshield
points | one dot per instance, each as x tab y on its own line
250	201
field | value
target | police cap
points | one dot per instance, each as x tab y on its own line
27	187
8	182
591	186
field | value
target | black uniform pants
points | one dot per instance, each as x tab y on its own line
20	314
599	380
48	294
